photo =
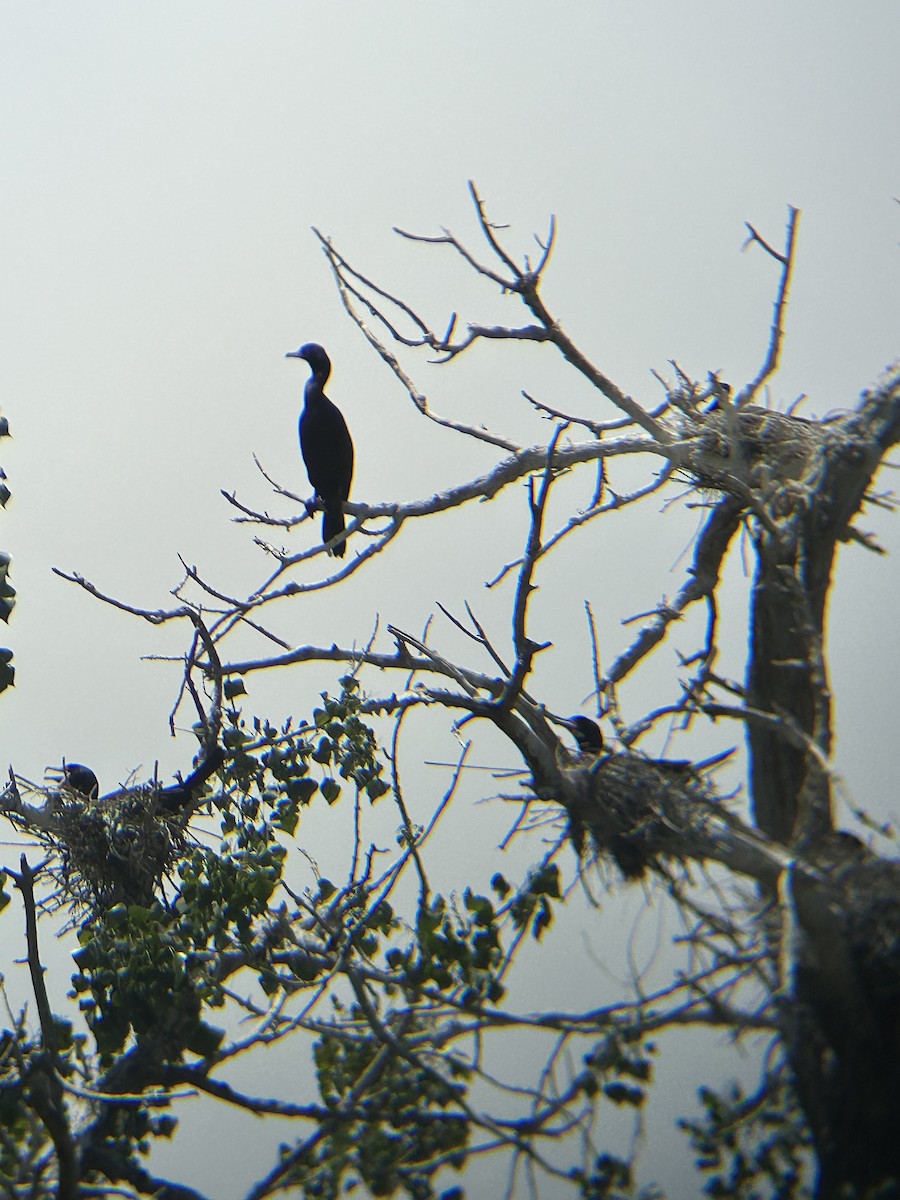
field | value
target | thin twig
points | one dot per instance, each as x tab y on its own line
776	337
525	647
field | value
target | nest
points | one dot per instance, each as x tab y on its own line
117	849
640	810
775	455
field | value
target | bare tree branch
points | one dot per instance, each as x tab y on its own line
525	647
43	1082
712	546
770	366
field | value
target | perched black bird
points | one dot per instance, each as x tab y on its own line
587	734
589	737
81	780
326	445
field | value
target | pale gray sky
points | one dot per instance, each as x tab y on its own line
162	168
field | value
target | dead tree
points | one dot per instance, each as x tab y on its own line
828	906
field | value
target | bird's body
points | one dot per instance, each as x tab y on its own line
81	779
587	734
325	444
589	737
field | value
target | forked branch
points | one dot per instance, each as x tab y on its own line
776	336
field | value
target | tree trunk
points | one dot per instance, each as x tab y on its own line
842	1019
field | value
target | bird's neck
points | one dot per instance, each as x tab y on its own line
315	389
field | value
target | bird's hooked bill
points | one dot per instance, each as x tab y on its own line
295	353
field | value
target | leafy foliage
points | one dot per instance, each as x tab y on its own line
400	1127
752	1147
154	983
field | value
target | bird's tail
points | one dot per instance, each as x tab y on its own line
332	525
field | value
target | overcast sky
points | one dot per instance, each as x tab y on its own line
163	166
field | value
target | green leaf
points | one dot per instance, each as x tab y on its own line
376	788
330	789
496	991
7	592
480	907
234	687
543	920
546	882
302	790
621	1093
117	916
396	958
323	751
287	818
7	671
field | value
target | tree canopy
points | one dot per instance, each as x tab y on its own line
207	934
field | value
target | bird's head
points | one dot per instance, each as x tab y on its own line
313	353
587	734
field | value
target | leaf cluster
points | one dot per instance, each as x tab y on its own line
752	1147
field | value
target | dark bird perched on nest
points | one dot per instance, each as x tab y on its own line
171	799
587	734
81	779
633	800
120	846
326	445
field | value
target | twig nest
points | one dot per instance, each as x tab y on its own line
639	809
769	452
115	849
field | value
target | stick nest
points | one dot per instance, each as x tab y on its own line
112	850
639	810
772	454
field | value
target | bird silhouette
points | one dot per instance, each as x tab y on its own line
82	780
171	799
587	734
325	444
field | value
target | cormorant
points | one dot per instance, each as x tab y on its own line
587	734
82	780
325	444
